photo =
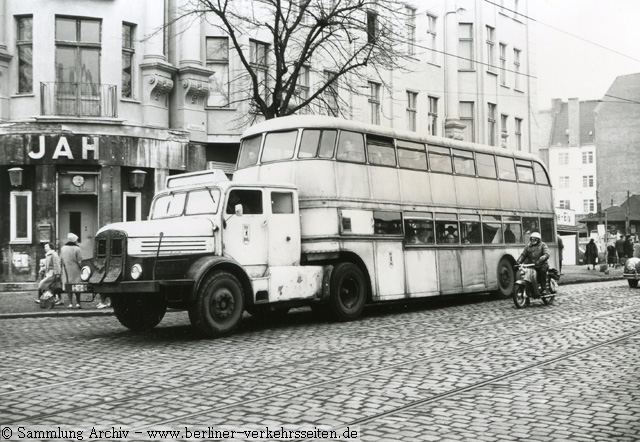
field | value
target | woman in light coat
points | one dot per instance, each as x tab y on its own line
71	257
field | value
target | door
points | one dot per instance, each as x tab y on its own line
78	214
283	229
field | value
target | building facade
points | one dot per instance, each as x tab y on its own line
100	101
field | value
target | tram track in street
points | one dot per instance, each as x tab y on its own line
435	353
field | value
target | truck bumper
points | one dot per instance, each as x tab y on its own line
127	286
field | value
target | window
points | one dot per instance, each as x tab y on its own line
467	118
249	151
350	147
250	200
380	151
431	39
486	165
303	87
503	64
317	144
331	94
491	54
516	68
258	58
202	201
563	158
470	229
463	163
465	47
387	223
564	204
491	124
372	26
418	229
447	231
506	168
217	49
492	229
588	206
374	102
411	155
587	157
20	224
503	123
563	182
525	171
518	133
128	53
168	206
131	206
281	202
412	110
547	231
433	116
411	30
279	146
78	47
541	175
440	159
24	48
512	229
587	181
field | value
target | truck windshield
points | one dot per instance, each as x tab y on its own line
195	202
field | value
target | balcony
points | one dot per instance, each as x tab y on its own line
78	99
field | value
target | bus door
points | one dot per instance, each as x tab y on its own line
244	235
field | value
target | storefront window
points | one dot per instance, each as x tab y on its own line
20	217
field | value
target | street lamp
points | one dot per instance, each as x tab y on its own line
16	176
136	179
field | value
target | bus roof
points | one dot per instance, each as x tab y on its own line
324	122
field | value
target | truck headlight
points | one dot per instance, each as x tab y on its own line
136	271
85	273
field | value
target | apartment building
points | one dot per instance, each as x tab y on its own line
101	100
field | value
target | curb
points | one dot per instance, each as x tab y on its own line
54	314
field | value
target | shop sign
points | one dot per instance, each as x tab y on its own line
57	147
566	217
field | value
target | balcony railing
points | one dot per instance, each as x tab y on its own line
78	99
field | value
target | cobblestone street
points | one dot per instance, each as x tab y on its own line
457	369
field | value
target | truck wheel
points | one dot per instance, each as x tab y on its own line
139	311
219	305
506	279
633	283
348	291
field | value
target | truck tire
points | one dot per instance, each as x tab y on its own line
219	305
506	279
348	292
139	311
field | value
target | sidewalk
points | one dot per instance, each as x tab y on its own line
17	300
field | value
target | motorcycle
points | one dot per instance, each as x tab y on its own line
526	286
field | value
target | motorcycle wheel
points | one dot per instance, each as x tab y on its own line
548	300
520	296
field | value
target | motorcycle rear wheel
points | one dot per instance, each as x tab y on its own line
520	298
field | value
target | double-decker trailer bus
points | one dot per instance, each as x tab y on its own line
326	213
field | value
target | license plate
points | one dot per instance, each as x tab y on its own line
78	287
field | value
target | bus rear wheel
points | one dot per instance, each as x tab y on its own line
348	292
139	311
219	305
506	279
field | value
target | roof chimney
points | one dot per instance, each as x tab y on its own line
574	122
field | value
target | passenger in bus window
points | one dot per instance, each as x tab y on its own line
509	236
451	236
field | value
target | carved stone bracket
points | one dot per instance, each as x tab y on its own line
160	86
196	92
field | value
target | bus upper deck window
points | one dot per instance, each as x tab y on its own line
506	168
309	143
486	165
249	151
463	162
412	155
381	151
350	147
541	175
525	171
440	159
279	146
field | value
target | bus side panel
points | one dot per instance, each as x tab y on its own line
467	191
279	172
473	275
545	198
415	186
492	258
489	193
528	197
390	269
315	178
421	272
319	222
384	183
351	182
450	271
442	189
509	195
365	250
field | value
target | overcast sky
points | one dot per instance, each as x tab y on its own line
571	42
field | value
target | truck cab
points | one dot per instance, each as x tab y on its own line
210	246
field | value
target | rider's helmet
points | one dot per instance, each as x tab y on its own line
535	235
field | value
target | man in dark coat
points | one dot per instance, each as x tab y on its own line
591	254
628	247
537	252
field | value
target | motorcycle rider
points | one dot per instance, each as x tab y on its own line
537	253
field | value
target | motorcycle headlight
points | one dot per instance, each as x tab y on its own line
85	273
136	271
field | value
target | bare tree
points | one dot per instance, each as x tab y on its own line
344	41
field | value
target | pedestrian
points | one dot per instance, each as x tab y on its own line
51	272
620	250
591	254
537	253
628	247
560	249
71	258
612	255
